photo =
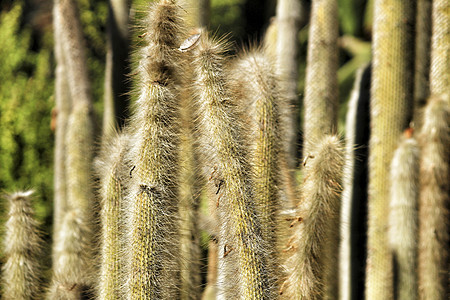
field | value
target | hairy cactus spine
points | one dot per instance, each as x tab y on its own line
391	91
112	171
240	239
153	223
73	268
321	90
22	250
434	200
319	206
257	82
403	222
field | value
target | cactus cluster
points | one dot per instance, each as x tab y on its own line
213	130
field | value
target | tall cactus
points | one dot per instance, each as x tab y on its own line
391	91
434	200
319	204
257	86
80	128
403	221
321	90
153	270
226	157
21	272
63	107
112	171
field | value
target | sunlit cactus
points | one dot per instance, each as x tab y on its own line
319	205
152	202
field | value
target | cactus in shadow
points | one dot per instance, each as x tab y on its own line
226	158
21	272
434	215
319	205
354	195
422	58
73	268
117	66
152	202
113	172
403	221
321	90
391	92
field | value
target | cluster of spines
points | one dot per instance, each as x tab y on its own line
152	221
21	272
320	200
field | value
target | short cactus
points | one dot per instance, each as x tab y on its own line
22	246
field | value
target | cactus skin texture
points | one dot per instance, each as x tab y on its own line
391	93
226	157
22	246
434	200
440	48
403	221
113	172
152	225
73	269
319	205
321	90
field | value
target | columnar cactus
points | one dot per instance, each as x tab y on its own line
152	201
391	92
403	221
112	170
321	90
73	269
318	207
434	200
21	272
258	89
226	158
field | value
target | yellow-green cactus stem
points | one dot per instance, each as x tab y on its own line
391	103
113	173
226	157
153	222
